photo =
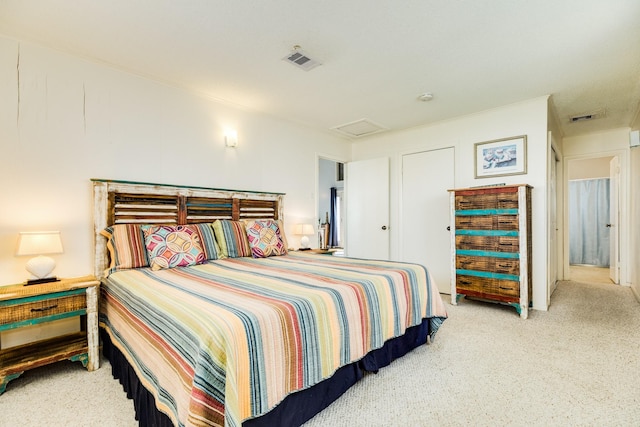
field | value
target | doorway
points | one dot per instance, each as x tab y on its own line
593	245
331	202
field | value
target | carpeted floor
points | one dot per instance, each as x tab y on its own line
576	365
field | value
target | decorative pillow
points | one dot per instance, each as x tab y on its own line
265	239
209	244
126	247
232	238
171	246
249	222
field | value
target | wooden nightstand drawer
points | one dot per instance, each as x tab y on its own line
25	309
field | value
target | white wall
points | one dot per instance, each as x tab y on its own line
614	142
64	120
524	118
597	167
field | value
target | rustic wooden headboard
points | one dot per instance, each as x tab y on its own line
125	202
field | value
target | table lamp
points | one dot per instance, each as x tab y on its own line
40	243
304	230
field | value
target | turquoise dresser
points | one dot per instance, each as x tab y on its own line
491	245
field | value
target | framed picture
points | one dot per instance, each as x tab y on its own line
500	157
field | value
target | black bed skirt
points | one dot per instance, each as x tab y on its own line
295	409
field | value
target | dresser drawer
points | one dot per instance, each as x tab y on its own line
487	222
487	201
506	266
27	309
506	222
478	263
507	201
483	263
488	243
479	201
487	287
477	222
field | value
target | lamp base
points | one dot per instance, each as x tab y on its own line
40	267
43	280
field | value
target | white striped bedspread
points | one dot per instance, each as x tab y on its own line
226	341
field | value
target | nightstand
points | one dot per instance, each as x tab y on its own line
322	251
22	306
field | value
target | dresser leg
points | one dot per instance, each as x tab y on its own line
5	380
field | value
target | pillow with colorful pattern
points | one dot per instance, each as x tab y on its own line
171	246
265	238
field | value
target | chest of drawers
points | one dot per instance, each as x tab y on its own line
491	245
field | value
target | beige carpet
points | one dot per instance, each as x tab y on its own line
576	365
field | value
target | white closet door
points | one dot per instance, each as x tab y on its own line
367	205
426	177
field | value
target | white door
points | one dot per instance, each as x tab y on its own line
426	177
367	209
614	236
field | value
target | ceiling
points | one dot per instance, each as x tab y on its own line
377	57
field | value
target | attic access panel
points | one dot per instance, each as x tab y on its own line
359	128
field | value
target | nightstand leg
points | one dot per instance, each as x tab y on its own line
92	329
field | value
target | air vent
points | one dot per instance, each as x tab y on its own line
301	60
588	116
359	128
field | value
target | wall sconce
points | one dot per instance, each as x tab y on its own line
40	243
304	230
231	139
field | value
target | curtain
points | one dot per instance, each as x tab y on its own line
588	219
333	216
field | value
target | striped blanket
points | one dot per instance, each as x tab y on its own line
226	341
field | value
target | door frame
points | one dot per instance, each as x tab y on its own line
554	252
623	206
316	204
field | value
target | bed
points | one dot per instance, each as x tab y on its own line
237	329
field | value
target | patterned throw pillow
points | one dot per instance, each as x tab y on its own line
209	244
248	223
232	238
171	246
265	239
126	247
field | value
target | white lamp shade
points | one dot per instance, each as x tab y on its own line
304	230
40	243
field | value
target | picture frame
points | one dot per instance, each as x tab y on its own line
501	157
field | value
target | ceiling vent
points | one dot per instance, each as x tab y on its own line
359	128
586	117
300	59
